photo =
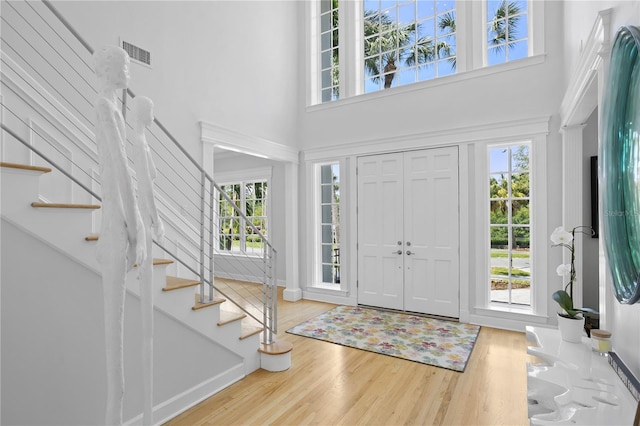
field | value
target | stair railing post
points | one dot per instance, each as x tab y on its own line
267	337
274	290
269	294
202	231
211	235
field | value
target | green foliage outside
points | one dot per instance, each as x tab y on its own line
387	46
501	270
509	193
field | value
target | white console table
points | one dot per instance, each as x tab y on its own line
573	384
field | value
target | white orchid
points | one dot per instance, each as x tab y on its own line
559	236
564	269
562	238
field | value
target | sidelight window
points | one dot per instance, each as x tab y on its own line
328	231
510	224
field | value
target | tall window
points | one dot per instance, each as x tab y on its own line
507	31
236	233
408	41
329	58
329	223
383	44
510	224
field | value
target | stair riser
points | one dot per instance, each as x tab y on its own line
19	187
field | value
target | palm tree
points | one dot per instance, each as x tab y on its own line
502	29
386	45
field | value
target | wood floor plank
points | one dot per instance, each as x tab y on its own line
330	384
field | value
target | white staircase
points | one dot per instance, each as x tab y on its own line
67	229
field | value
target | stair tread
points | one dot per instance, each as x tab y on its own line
157	262
227	317
175	283
275	348
249	330
65	205
200	305
25	167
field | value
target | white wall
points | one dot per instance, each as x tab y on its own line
53	365
622	320
218	61
434	110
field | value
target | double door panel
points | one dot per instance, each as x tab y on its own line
408	231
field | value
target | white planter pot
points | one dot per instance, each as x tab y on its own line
571	329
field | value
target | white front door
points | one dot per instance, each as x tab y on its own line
380	245
431	279
408	255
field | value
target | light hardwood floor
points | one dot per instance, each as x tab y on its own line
329	384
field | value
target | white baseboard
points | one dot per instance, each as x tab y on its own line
187	399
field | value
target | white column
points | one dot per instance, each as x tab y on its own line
606	297
572	195
293	292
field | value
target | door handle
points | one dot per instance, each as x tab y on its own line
397	252
409	253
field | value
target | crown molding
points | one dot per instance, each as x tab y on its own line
233	140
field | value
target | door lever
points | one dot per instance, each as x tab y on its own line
397	252
409	253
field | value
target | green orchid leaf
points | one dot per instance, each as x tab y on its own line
563	299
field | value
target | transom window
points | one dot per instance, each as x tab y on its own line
366	46
510	224
235	233
408	41
328	241
507	31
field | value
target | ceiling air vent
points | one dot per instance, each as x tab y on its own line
137	53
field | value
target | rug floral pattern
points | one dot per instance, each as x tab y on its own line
445	344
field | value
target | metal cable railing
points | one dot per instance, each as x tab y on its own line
42	54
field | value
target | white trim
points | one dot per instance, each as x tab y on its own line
182	402
539	218
311	45
580	98
248	175
494	132
505	320
292	259
329	296
435	82
464	206
233	140
536	27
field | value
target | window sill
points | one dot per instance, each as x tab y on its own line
453	78
325	286
511	313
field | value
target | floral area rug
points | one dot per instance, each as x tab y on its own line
445	344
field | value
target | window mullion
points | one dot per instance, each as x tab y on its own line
242	224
